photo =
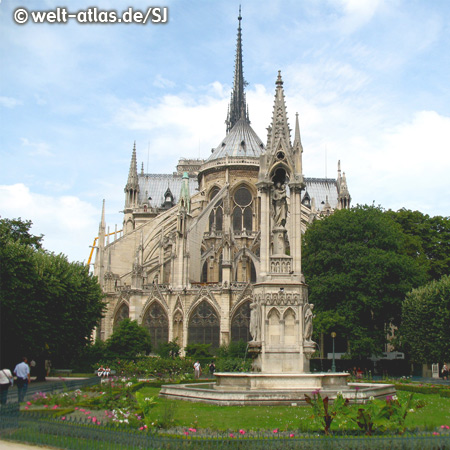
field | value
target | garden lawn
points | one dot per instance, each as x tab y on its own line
435	413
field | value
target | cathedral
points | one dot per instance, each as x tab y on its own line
198	245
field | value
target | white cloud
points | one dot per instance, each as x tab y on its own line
36	148
407	165
9	102
356	13
66	221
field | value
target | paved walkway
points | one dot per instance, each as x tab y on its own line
9	445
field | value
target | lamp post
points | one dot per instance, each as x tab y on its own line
333	365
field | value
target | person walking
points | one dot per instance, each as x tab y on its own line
445	372
197	369
6	380
22	372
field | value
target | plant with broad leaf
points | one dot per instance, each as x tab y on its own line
323	410
378	415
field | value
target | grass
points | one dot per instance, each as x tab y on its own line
435	413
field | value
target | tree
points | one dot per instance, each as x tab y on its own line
18	230
427	240
358	272
129	340
425	329
49	306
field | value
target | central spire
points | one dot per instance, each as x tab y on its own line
238	109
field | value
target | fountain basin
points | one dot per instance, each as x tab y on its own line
274	389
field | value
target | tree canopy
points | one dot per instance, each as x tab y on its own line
128	340
358	270
427	240
425	329
49	306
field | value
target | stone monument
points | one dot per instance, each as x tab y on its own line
281	318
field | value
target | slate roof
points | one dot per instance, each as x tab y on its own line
240	141
157	184
320	188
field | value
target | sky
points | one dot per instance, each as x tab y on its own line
370	80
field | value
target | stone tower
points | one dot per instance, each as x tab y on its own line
281	317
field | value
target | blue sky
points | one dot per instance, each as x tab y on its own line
370	80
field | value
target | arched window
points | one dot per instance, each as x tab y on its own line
122	313
216	215
204	326
240	324
155	320
242	211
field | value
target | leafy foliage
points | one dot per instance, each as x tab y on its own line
235	349
427	240
425	330
49	305
169	349
198	350
325	412
358	270
18	230
128	340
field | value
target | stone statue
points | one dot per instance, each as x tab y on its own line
308	327
255	322
279	204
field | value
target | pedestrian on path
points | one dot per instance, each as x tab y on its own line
6	380
22	372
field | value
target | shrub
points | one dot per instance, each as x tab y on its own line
198	350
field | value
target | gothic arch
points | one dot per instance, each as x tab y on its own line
204	324
240	321
121	312
156	319
287	311
274	332
204	294
291	327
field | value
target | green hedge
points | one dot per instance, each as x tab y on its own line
443	392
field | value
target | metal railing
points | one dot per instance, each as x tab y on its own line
35	428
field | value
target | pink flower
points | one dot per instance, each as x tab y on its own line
291	435
94	419
28	403
89	417
141	428
276	430
186	433
242	431
193	430
389	398
26	407
55	407
45	406
63	418
88	412
435	433
231	435
145	426
76	407
82	410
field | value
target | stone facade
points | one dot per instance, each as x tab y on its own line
201	245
